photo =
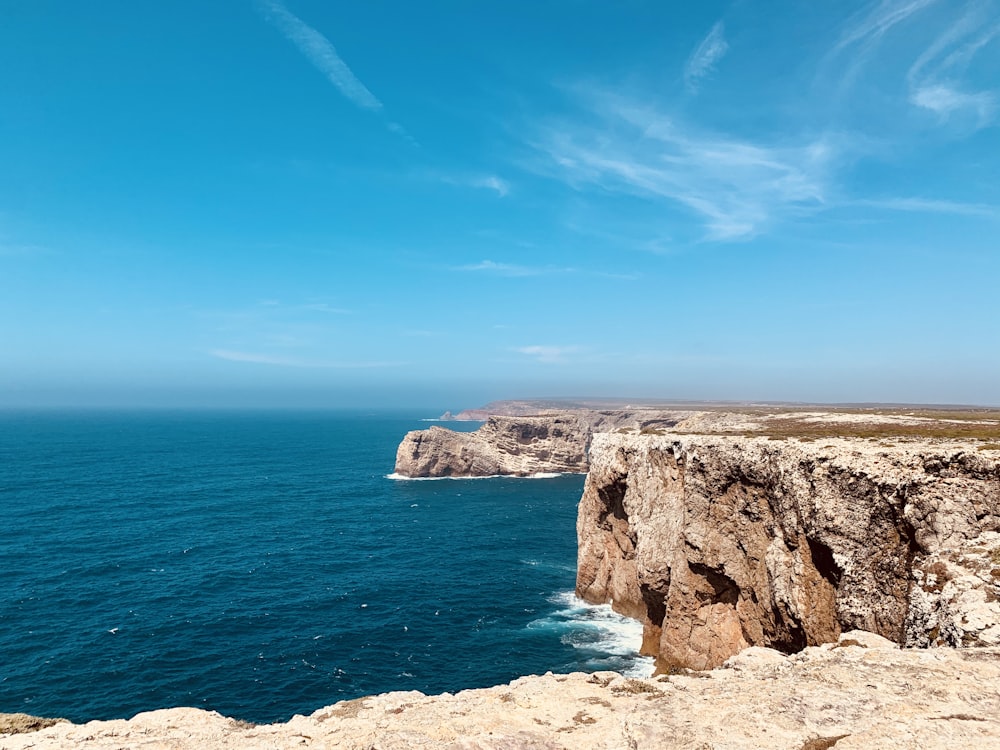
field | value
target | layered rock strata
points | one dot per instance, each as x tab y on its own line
720	542
516	446
862	692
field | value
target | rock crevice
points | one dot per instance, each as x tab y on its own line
745	541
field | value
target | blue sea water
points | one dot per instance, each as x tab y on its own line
263	564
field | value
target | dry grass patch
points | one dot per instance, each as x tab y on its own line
636	687
807	430
823	743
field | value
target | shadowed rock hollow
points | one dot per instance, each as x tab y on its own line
717	543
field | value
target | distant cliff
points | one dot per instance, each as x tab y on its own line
517	446
720	542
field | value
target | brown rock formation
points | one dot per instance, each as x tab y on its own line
23	723
718	542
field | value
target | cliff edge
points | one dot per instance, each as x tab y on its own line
517	445
721	542
862	692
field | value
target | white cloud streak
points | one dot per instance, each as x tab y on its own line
930	205
322	307
321	53
481	182
873	23
268	359
934	77
509	269
703	60
945	100
736	187
492	182
489	267
547	354
862	34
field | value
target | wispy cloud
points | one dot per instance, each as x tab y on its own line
705	56
736	187
492	182
861	37
945	100
481	182
510	269
322	307
320	52
254	357
547	354
269	359
935	77
872	23
930	205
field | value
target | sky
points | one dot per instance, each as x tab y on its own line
324	204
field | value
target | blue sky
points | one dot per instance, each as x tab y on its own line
295	202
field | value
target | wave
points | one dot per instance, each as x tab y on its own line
539	475
605	639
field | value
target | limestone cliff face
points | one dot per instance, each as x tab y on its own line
514	446
503	445
717	542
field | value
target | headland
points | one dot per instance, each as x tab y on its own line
806	577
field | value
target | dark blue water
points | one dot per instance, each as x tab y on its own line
262	565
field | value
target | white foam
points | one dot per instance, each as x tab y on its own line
606	639
539	475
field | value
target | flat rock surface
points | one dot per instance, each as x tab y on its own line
862	692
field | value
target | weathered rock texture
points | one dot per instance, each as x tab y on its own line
516	446
20	723
720	542
860	693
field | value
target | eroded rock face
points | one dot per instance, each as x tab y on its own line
862	692
503	445
955	599
717	543
514	446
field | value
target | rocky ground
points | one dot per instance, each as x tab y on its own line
862	692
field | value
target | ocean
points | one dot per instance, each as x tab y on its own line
263	564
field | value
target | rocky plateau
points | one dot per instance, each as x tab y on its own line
860	692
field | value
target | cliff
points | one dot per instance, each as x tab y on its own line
516	446
862	692
719	542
